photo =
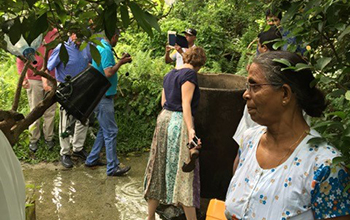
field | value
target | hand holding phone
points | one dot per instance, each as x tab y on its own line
193	143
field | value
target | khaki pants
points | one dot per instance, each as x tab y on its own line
35	94
78	137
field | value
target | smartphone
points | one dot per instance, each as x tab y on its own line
172	38
193	143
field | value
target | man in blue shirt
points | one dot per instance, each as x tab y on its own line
107	134
78	61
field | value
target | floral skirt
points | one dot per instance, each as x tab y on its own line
164	179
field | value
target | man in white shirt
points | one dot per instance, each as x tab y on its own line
176	55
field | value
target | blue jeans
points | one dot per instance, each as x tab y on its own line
106	136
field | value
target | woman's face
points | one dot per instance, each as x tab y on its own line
263	100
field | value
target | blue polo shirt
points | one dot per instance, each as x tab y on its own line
78	61
107	60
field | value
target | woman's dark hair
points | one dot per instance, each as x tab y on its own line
270	37
195	56
309	98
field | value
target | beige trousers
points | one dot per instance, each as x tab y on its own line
35	94
78	137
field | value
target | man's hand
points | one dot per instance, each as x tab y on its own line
178	49
46	84
25	84
126	58
47	88
168	48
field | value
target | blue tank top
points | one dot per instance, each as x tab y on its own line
172	87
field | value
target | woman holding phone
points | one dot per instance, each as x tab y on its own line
172	173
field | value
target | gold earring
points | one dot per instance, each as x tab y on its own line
284	102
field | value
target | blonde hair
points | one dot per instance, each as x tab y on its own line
195	56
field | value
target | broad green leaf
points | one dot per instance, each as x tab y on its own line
278	44
345	32
347	95
52	44
95	54
152	21
27	25
302	66
96	41
321	124
40	26
110	20
316	140
64	57
288	68
139	16
15	31
83	45
326	79
340	114
283	61
322	63
124	13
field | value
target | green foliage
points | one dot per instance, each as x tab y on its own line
225	28
138	101
32	18
8	84
323	26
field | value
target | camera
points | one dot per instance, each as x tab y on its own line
125	54
193	143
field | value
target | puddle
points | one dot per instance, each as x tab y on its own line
85	193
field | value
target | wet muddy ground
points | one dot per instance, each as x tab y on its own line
85	193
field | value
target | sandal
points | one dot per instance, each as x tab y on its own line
188	167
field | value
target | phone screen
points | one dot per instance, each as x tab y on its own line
172	38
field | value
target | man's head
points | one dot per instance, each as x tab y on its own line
114	40
76	38
190	35
267	39
273	18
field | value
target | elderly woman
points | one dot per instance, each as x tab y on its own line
280	175
168	179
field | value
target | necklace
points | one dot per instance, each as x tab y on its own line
292	146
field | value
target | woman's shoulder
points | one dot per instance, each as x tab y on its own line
252	135
318	152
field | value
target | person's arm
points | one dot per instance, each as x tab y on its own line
235	164
167	54
110	71
46	85
163	98
179	49
187	90
54	59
